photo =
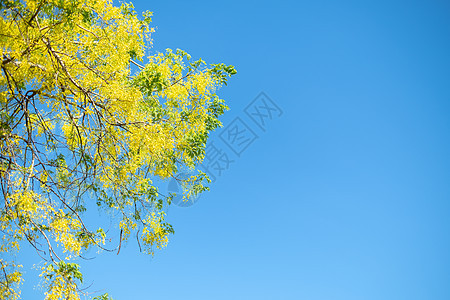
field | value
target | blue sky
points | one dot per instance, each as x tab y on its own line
346	194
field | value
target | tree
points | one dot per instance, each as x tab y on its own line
86	116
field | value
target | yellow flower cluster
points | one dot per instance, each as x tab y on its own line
83	117
154	233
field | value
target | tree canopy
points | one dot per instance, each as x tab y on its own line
89	115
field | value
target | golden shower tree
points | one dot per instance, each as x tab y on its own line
86	116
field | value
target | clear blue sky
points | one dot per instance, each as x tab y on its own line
346	195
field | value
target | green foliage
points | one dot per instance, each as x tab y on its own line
87	115
105	296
